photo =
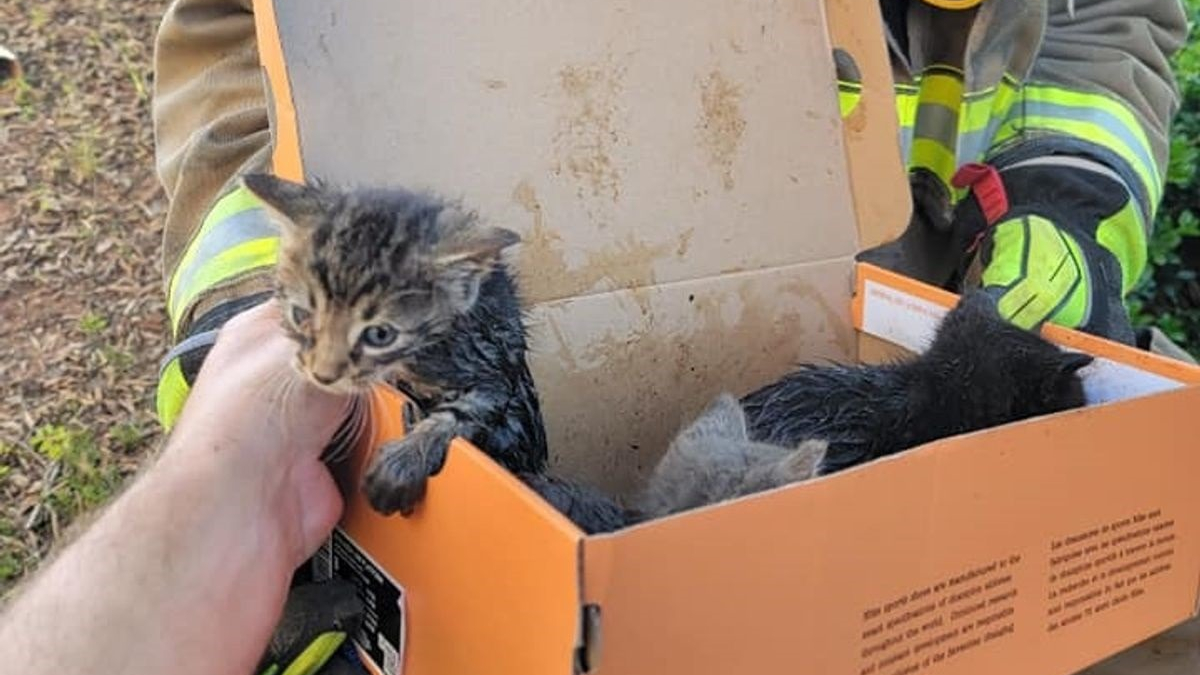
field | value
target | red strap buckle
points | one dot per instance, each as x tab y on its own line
985	184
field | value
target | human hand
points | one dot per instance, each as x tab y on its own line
1049	252
264	428
188	569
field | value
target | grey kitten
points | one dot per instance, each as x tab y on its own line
713	460
395	286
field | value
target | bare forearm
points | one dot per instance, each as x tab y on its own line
160	583
187	571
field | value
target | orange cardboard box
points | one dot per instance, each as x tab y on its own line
690	203
1039	547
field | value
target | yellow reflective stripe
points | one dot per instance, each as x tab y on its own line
316	654
849	94
906	114
942	88
235	219
231	204
906	109
1078	99
1088	131
171	394
929	154
981	108
228	265
848	101
1124	235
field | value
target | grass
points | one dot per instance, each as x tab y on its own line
92	324
80	231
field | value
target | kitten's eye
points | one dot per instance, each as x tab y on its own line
379	335
299	314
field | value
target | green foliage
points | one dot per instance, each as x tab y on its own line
1169	293
12	556
127	436
87	478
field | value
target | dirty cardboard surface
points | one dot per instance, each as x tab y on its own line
653	357
633	144
639	149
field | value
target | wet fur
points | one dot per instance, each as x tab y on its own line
979	372
591	510
713	460
430	271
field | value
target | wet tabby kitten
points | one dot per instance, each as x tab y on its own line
406	288
979	372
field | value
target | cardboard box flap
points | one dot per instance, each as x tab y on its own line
871	131
631	144
496	570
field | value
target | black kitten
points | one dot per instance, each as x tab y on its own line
390	285
980	371
591	510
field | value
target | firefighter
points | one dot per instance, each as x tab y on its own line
1035	134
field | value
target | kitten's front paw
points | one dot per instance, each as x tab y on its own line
396	480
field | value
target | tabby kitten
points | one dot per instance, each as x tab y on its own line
980	371
396	286
713	460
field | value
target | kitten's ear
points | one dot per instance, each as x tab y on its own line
295	204
469	244
1074	361
724	418
466	254
806	460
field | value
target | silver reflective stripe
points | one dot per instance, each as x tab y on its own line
237	229
974	145
937	123
906	139
1073	162
1102	118
1084	164
205	339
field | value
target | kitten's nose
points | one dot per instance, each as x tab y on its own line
328	374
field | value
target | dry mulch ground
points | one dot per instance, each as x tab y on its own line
82	324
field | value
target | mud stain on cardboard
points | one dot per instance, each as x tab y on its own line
547	273
617	391
588	129
721	124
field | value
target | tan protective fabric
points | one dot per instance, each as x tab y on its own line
1115	47
211	121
